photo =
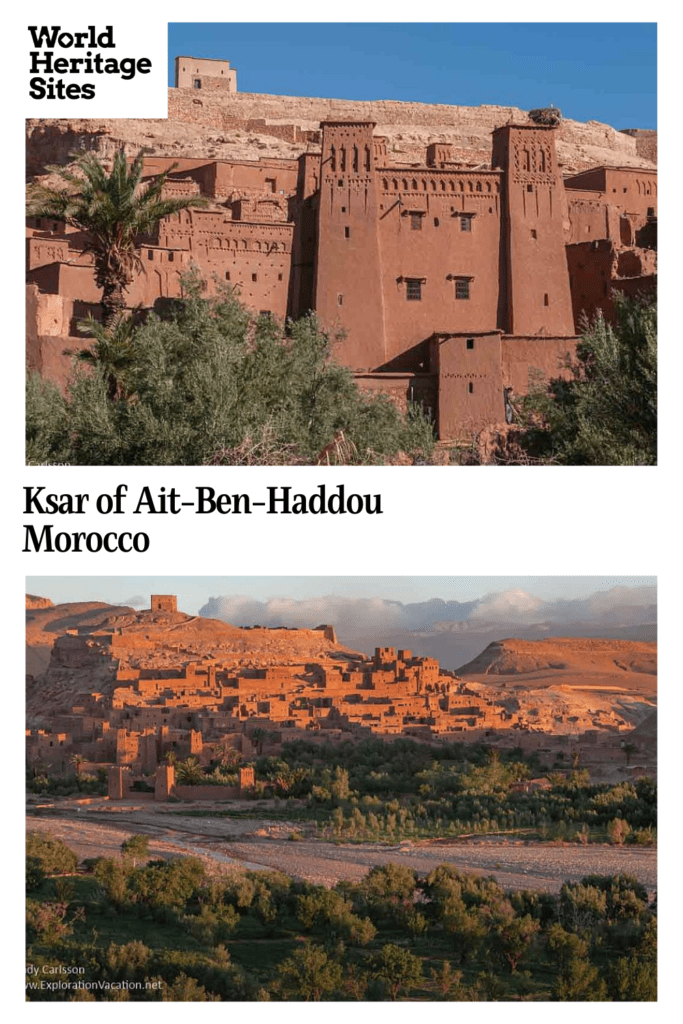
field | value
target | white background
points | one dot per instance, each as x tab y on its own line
437	520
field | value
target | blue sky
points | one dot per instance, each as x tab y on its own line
592	71
194	592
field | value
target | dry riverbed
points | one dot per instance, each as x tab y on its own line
231	843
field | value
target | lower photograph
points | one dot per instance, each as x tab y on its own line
348	789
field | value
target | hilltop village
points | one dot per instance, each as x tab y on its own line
142	686
475	273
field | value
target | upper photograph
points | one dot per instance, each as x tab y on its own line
354	244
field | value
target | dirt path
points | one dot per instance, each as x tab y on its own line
258	844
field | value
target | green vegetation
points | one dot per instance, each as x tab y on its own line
605	414
408	790
169	931
45	782
210	384
114	209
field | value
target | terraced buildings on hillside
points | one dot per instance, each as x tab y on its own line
154	689
446	282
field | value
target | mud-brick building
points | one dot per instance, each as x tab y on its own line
443	284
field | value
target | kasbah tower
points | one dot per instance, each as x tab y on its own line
445	284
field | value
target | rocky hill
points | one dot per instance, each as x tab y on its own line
570	682
564	654
248	126
77	647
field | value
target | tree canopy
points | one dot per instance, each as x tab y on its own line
114	209
605	413
209	383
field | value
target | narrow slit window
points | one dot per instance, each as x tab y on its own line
470	388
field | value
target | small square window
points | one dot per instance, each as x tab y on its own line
170	257
254	277
340	182
150	254
279	277
462	288
416	222
340	300
470	343
530	188
196	83
413	290
343	209
227	275
347	232
466	223
436	222
534	233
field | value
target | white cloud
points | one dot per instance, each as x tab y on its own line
362	616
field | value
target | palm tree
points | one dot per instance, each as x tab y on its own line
113	350
114	209
189	772
258	735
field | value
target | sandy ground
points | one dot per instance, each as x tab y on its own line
225	843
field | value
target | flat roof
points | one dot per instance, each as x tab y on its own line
612	167
216	60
